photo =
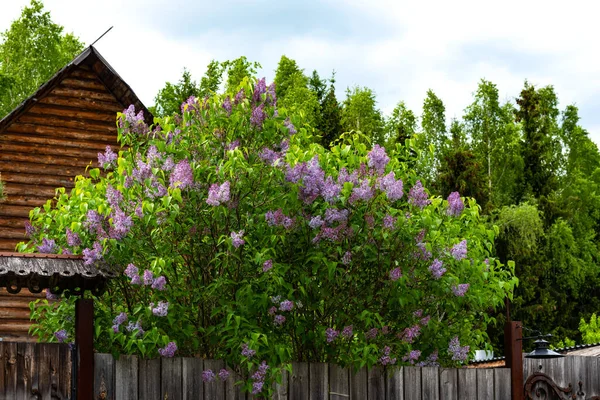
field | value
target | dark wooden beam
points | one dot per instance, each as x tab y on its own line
84	342
513	351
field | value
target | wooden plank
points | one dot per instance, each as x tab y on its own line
149	379
12	233
62	90
59	121
376	383
281	389
38	190
233	391
449	384
104	376
216	388
339	382
485	384
83	83
171	378
467	383
74	113
82	73
65	370
394	383
591	382
26	201
126	378
191	371
7	222
10	370
74	155
318	381
502	384
412	383
37	179
299	382
27	139
13	313
430	383
358	384
64	133
26	370
84	104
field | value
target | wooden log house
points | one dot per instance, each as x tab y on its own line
45	143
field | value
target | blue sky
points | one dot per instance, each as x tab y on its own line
399	49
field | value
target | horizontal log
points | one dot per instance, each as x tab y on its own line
6	222
17	303
13	233
49	141
74	113
8	244
84	104
15	326
64	133
16	189
82	73
32	168
38	179
13	314
66	122
28	201
67	162
7	210
82	94
77	155
83	84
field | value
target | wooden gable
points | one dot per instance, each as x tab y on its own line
55	134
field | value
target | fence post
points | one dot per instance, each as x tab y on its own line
84	344
513	351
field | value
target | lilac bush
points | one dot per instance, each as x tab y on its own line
236	237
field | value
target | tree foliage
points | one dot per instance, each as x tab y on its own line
360	113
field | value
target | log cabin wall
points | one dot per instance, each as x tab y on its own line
46	142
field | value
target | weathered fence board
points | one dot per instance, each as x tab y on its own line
485	391
192	383
568	370
412	383
281	389
449	384
126	372
299	381
318	381
149	382
395	384
339	383
376	383
171	380
467	384
358	385
430	379
502	384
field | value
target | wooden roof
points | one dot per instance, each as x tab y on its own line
55	134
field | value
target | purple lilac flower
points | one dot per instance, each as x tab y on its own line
153	155
169	350
168	165
148	277
389	222
295	173
347	332
278	218
425	320
50	295
223	374
459	250
132	272
138	212
29	229
378	159
182	175
93	222
267	265
417	196
90	256
115	328
218	194
334	215
247	352
120	319
73	239
316	222
436	269
260	88
291	128
48	246
191	105
208	375
227	105
418	313
395	274
423	253
410	334
233	145
269	156
258	116
272	310
459	353
162	309
286	305
107	159
460	290
279	319
61	335
135	121
455	204
236	239
371	333
331	334
412	356
159	283
271	95
362	192
331	190
257	387
385	358
347	258
313	181
344	177
133	326
393	188
239	96
122	223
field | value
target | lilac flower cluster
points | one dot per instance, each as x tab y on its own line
436	269
73	238
459	250
133	326
347	258
423	253
94	223
270	157
385	359
460	289
208	376
169	350
227	105
286	305
113	196
291	128
182	175
218	194
347	332
260	88
378	159
393	188
271	95
371	333
223	374
247	351
431	360
278	218
412	356
267	265
395	274
237	239
239	97
107	159
90	256
48	246
455	204
410	334
133	123
389	222
61	335
362	192
259	378
29	229
190	105
459	353
258	116
132	273
233	145
417	196
159	283
121	224
162	309
331	334
118	321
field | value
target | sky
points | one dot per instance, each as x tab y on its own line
398	48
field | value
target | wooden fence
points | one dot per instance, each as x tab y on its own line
130	378
569	370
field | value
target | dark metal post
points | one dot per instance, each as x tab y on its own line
84	342
513	351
